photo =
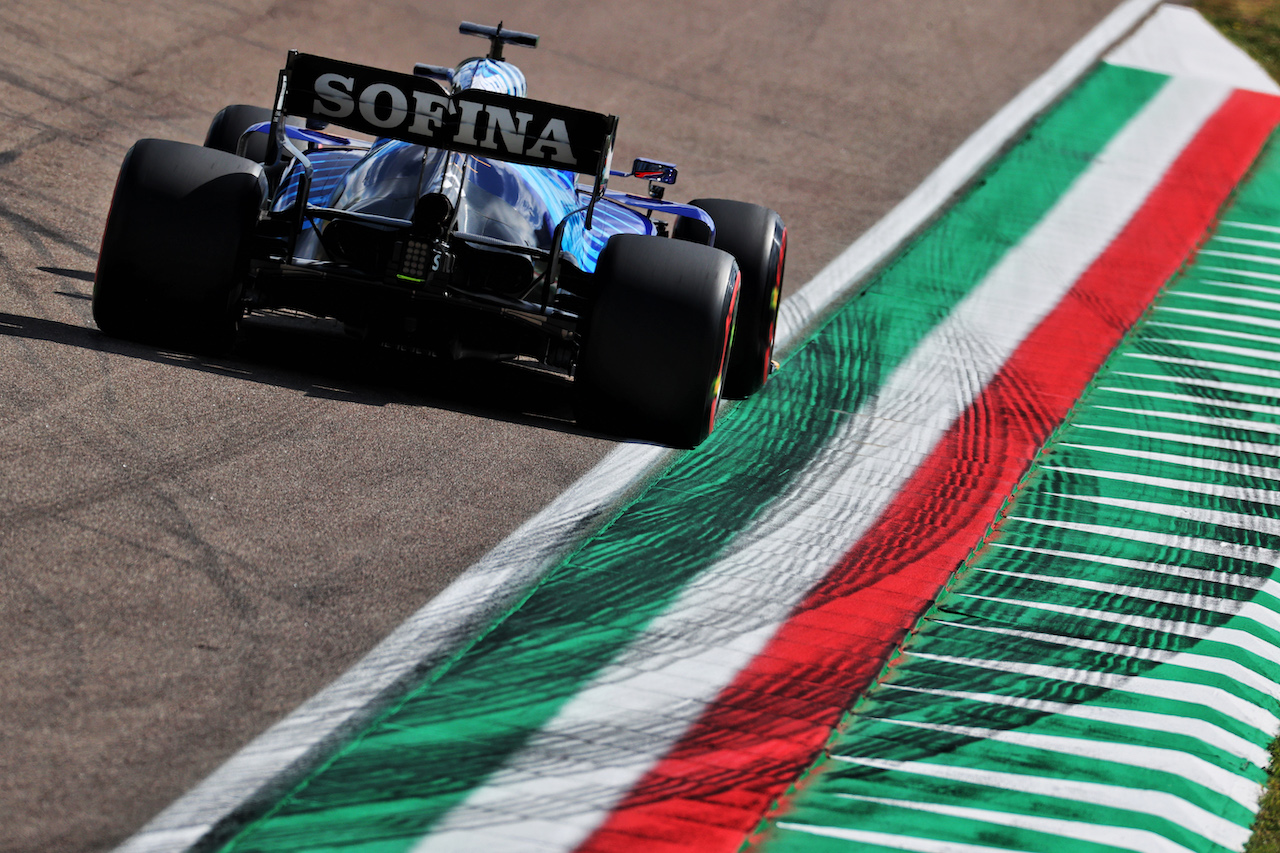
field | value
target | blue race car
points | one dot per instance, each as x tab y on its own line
477	223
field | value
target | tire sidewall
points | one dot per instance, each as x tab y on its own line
655	344
756	237
173	253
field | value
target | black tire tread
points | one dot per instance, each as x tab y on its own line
755	236
655	342
172	250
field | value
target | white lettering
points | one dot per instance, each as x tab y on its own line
553	144
429	112
429	115
334	96
511	127
369	106
466	134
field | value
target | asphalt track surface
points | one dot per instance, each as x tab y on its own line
190	547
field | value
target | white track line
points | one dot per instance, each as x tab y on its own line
1144	801
1119	837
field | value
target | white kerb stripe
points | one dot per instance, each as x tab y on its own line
1236	445
1224	349
1236	301
1204	731
1245	521
1218	316
1191	382
1208	636
891	840
1260	276
1244	241
1204	364
1192	572
1215	700
1184	765
1259	494
1204	420
1121	837
1242	469
1155	803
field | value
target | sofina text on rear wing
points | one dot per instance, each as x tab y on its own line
417	109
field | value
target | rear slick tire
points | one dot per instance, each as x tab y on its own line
656	344
229	125
173	254
757	239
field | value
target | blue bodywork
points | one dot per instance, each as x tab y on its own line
506	201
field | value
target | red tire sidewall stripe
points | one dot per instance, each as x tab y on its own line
725	341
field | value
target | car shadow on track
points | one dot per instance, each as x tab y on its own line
319	362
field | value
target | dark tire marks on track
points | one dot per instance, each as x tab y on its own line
189	547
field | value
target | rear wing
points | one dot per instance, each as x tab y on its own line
472	121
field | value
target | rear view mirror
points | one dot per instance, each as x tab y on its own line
654	170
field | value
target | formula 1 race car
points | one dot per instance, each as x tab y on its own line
460	231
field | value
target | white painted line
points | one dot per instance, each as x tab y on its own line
1155	803
1243	352
1241	256
279	757
1228	300
892	841
1173	724
1235	285
283	754
1218	316
1240	468
1170	598
1223	366
1118	837
1272	411
1239	520
1264	617
1256	495
1263	276
1234	387
1271	587
1152	721
1217	423
1213	547
1214	699
1251	352
1236	639
1273	229
1253	447
1178	41
1242	241
1205	636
